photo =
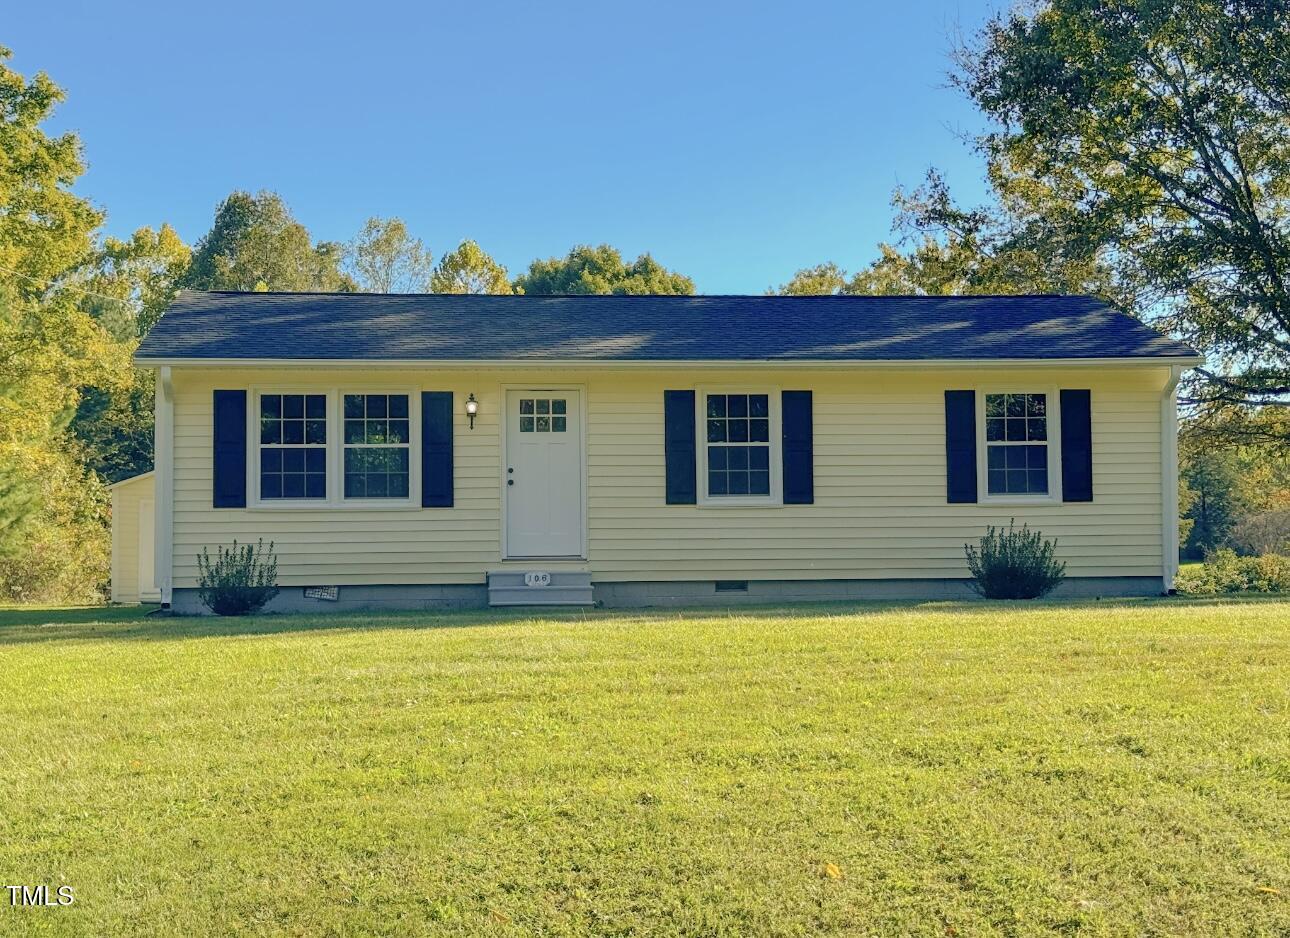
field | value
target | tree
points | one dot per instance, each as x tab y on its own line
469	269
1158	136
821	280
933	269
384	258
1228	479
60	552
45	229
1215	504
52	534
1007	248
601	270
256	244
127	286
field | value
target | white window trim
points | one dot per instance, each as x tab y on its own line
776	497
335	446
1054	443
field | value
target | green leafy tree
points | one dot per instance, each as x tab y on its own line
1215	503
1157	137
45	229
60	552
821	280
53	541
601	269
115	426
127	286
469	269
1231	475
256	244
384	258
1008	248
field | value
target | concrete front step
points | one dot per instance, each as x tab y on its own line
536	586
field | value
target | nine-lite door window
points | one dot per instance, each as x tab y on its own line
1016	444
293	446
738	444
377	441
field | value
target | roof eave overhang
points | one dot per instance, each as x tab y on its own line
847	364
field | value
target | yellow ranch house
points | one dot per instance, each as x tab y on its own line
421	451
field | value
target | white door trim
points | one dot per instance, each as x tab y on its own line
503	429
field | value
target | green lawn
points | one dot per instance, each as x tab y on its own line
961	769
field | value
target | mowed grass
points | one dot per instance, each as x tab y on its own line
968	769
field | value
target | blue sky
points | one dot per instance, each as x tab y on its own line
736	143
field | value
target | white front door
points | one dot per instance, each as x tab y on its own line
543	474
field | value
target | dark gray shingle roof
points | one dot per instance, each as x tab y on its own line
374	327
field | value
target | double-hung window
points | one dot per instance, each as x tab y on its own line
335	447
1016	444
293	446
737	437
377	445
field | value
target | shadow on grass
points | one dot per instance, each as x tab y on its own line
141	623
22	626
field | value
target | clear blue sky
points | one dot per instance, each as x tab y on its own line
736	142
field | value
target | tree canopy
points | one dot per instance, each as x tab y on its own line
126	287
1157	137
52	511
820	280
384	258
1140	152
256	244
469	269
600	270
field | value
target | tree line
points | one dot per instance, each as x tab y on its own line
256	244
75	415
1138	152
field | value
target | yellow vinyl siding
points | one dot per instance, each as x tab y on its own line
879	511
129	540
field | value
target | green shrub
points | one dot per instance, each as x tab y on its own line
240	580
54	524
1227	572
1014	564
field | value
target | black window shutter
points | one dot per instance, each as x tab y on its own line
436	449
678	447
1077	446
799	448
960	446
229	463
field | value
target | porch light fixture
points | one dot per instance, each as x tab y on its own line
472	408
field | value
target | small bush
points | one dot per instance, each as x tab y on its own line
1227	572
1014	564
240	580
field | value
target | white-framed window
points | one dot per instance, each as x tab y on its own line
739	440
334	447
1017	442
292	458
377	445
